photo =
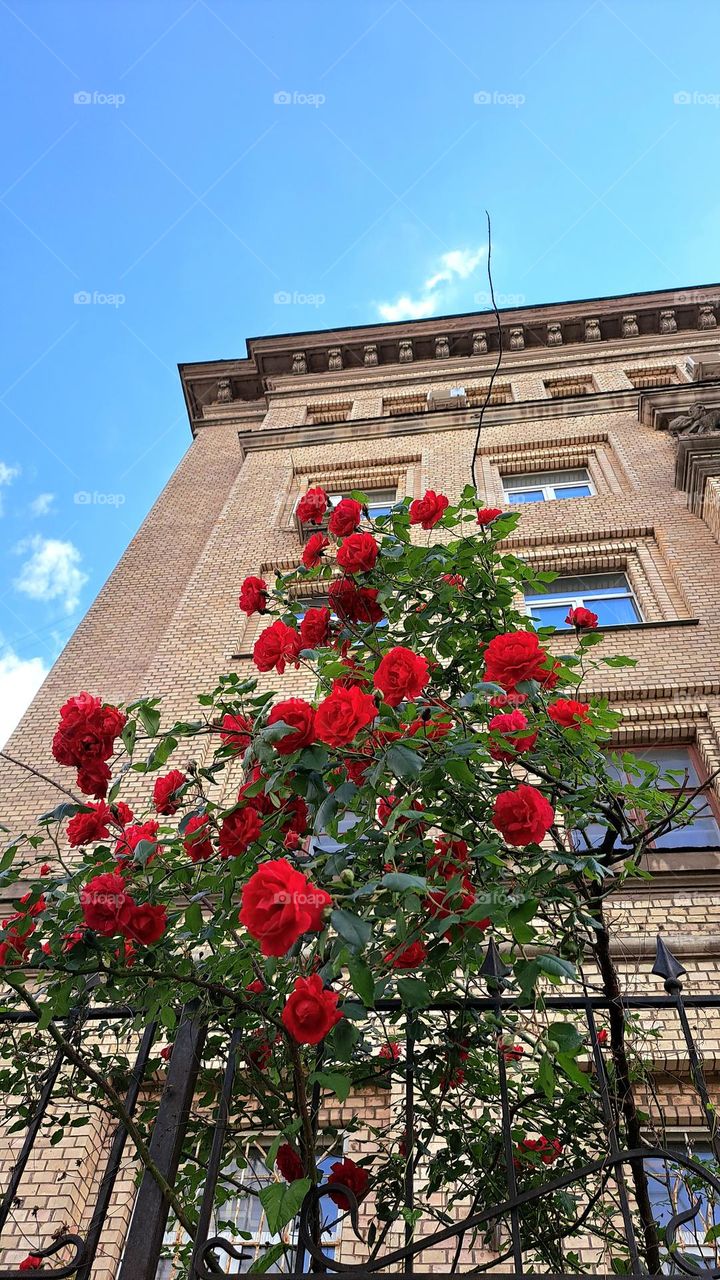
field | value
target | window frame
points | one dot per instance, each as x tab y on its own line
334	497
548	490
585	599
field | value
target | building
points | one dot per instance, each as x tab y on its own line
603	422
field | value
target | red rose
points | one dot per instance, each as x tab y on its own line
294	813
197	843
288	1163
261	801
513	742
358	553
581	617
386	805
105	902
275	646
123	813
547	1151
342	715
354	604
345	517
356	770
166	1053
515	657
278	905
312	506
487	514
602	1036
428	510
253	596
568	713
145	923
453	580
85	738
235	732
238	831
86	827
346	1173
408	957
390	1051
33	1262
313	550
511	1052
310	1011
45	869
299	715
132	836
451	857
523	816
164	790
430	729
314	628
401	674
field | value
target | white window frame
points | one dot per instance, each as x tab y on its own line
335	498
548	490
586	599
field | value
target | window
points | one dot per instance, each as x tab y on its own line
548	486
681	770
609	595
245	1213
380	502
301	604
675	1189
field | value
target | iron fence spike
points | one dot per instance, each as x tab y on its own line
666	966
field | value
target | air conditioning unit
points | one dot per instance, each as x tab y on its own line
453	398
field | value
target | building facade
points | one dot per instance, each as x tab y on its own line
602	424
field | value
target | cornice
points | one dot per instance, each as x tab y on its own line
328	359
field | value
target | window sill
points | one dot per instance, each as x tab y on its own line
635	626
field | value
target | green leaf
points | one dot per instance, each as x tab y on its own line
362	979
413	992
162	752
461	772
282	1201
273	1254
546	1076
404	762
63	811
335	1081
566	1036
619	661
150	717
194	918
343	1039
129	735
401	880
573	1071
554	967
351	928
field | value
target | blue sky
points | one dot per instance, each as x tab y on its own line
172	166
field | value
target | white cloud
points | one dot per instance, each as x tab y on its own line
7	475
436	294
51	572
20	679
42	505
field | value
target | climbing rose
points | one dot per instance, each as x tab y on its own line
132	836
386	806
32	1262
342	715
312	506
235	732
314	628
85	738
568	713
86	827
514	742
145	923
346	1173
408	957
288	1163
253	596
453	580
354	604
581	617
313	550
511	1052
300	717
277	645
164	791
487	514
345	518
105	903
523	816
547	1151
310	1011
238	831
513	657
451	857
358	553
401	674
278	905
428	510
196	842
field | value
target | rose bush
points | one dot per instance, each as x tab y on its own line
292	864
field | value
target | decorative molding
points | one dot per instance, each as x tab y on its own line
405	351
370	354
554	335
698	458
442	347
592	330
335	360
299	362
479	343
630	326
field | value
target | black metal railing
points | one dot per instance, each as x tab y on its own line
500	1225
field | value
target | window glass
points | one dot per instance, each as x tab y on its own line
609	595
573	491
548	486
526	495
673	1190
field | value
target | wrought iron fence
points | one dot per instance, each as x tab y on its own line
505	1205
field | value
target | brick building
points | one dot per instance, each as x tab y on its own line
604	423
